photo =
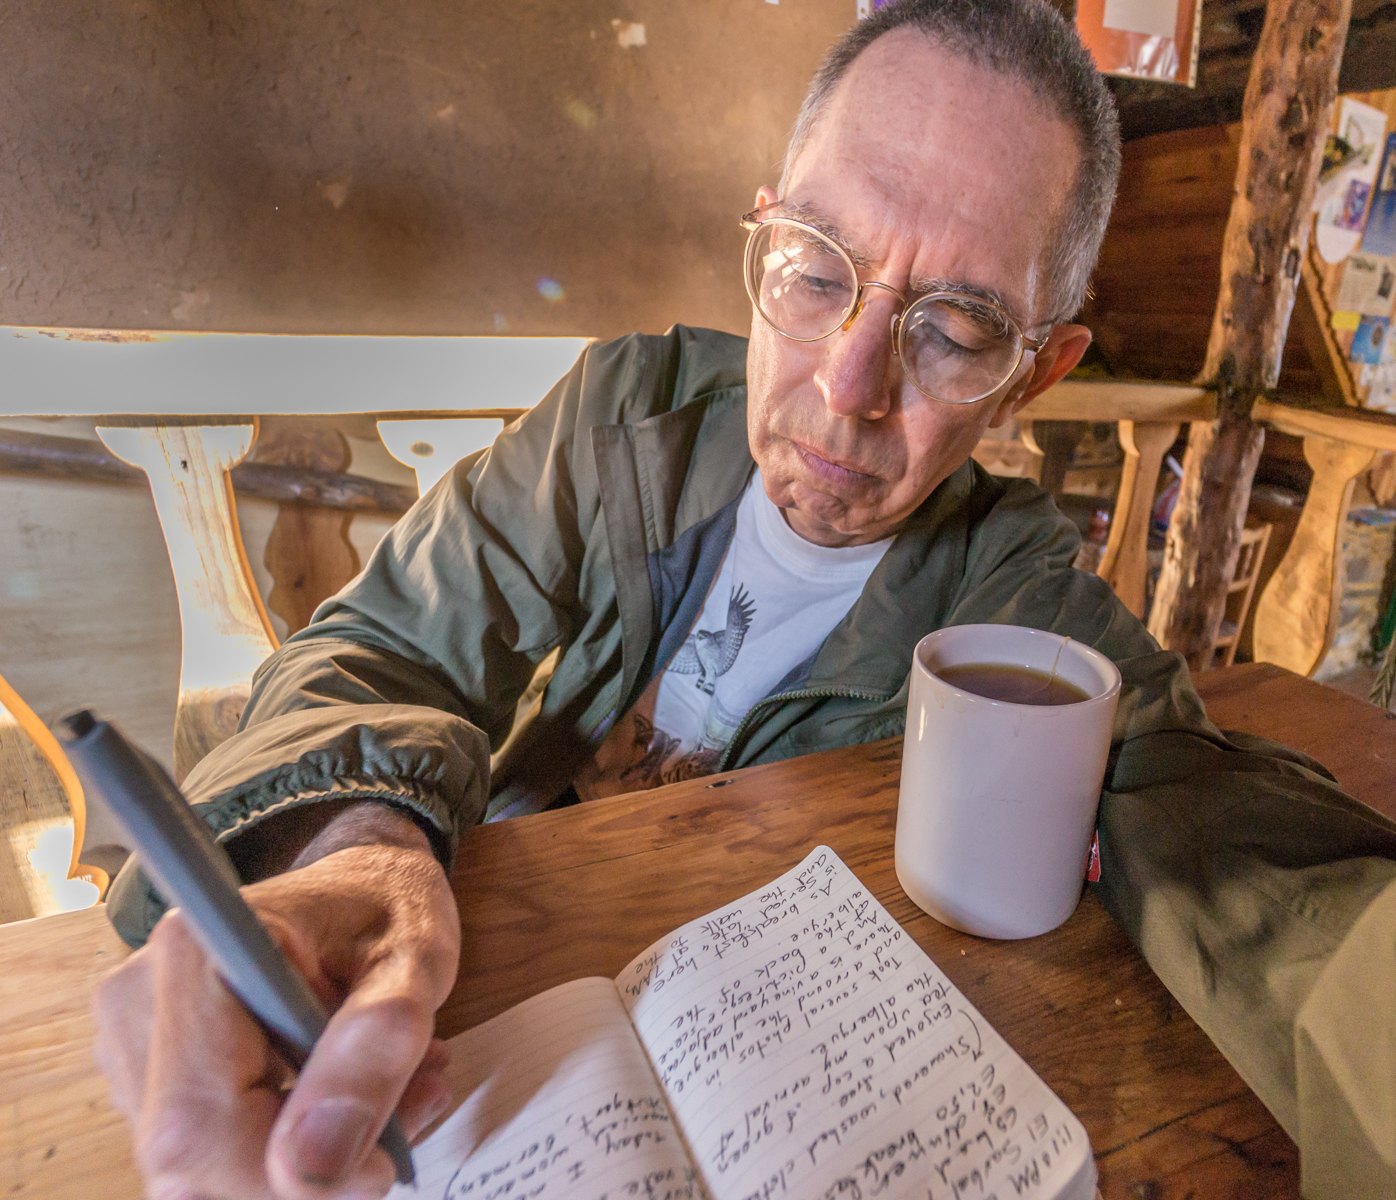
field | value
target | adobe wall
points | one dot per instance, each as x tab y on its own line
411	167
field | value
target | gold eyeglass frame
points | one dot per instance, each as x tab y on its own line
753	222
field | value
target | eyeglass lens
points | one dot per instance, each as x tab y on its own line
957	349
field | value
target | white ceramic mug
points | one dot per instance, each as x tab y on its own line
998	800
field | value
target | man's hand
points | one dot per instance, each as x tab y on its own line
373	928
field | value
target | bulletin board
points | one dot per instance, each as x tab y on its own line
1350	266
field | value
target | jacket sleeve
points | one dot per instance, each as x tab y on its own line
1262	895
403	681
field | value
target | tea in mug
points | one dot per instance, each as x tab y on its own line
1016	685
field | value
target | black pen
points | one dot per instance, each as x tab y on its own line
192	871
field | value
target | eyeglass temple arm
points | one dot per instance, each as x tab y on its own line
751	220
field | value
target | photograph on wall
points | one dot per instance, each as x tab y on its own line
1354	206
1367	342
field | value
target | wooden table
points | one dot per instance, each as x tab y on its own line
578	892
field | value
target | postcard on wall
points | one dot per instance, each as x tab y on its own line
1367	342
1350	164
1354	206
1368	286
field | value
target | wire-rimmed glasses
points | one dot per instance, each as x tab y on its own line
953	347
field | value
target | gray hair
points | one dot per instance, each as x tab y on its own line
1027	41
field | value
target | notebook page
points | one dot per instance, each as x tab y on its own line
809	1048
558	1100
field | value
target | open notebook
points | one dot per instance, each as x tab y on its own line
794	1043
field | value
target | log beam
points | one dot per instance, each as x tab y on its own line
1288	107
87	461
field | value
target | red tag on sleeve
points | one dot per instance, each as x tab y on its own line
1093	862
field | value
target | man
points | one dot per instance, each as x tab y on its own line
945	192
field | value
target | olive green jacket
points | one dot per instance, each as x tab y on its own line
593	528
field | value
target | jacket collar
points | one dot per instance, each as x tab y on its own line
650	496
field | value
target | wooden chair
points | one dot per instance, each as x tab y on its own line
1254	540
43	819
1296	613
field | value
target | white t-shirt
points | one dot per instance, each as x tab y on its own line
774	601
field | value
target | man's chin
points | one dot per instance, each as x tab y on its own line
819	517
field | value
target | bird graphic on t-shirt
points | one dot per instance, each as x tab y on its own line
709	654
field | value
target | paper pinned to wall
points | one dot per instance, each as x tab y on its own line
1368	286
1383	385
1145	39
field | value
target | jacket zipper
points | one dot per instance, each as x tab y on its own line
822	693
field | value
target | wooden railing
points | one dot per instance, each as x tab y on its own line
1149	417
1297	612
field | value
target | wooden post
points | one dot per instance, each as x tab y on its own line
1285	118
1124	565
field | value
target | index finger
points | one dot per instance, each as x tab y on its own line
210	1092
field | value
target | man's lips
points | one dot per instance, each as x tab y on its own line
828	469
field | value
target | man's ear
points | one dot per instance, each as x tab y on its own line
1063	350
765	195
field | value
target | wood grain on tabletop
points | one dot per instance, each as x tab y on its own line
1165	1112
1079	1004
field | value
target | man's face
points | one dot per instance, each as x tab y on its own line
926	168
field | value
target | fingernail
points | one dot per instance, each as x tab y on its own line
329	1138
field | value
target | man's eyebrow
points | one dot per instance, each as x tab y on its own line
963	287
816	220
919	286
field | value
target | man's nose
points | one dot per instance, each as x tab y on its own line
860	372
